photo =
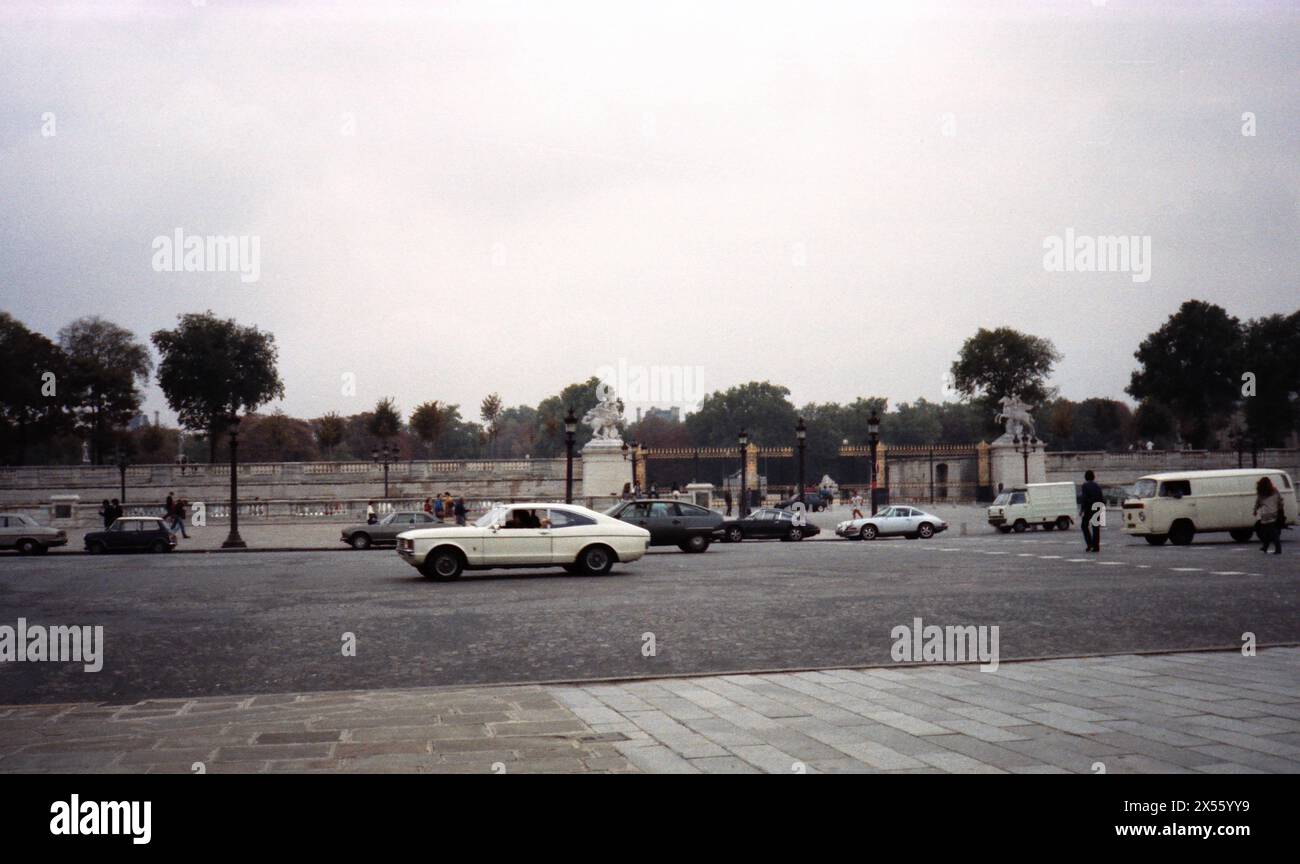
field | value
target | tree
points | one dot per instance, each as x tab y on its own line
1271	363
330	429
386	421
105	362
1157	424
490	412
33	389
428	422
277	438
581	397
1192	366
760	408
1005	362
213	370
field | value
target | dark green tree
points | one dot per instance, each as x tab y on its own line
1192	365
213	370
1005	362
105	365
1271	366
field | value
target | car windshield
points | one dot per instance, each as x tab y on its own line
1003	499
1144	489
388	519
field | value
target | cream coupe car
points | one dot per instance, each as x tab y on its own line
524	535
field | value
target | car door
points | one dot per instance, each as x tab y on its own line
388	531
887	521
569	533
765	524
666	523
638	514
518	538
696	520
7	534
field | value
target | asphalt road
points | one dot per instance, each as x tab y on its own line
191	625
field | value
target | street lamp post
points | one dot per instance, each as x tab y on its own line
122	463
873	435
384	454
744	473
629	451
801	434
1027	445
570	427
233	540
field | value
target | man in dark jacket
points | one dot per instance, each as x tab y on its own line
1089	497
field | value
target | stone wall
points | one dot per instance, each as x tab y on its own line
1123	468
487	478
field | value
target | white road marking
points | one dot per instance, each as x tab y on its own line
1227	573
1045	557
1187	569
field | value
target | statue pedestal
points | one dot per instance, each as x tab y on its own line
1007	464
604	471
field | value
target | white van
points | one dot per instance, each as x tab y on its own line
1179	505
1051	505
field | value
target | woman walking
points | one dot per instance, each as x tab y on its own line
1271	515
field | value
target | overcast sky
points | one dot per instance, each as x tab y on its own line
456	198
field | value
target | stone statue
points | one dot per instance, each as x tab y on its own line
1016	415
605	418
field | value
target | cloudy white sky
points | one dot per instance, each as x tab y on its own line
457	198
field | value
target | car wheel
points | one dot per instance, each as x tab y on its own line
1020	527
159	546
796	534
695	543
360	540
96	548
596	560
1063	523
868	532
27	547
443	565
735	535
1156	539
925	531
1241	535
1181	533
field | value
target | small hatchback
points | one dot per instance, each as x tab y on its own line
132	534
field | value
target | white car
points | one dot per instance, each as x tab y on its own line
18	531
898	520
525	535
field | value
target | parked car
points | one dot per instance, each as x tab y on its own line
812	502
525	535
385	531
670	523
1176	506
895	521
132	534
769	523
1047	505
21	532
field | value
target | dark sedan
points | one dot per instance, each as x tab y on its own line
132	534
385	531
768	524
671	523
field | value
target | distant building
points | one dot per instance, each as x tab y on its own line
673	414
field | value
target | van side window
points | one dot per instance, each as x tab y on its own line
1175	488
1018	498
1283	481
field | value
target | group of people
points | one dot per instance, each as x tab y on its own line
110	512
444	507
174	511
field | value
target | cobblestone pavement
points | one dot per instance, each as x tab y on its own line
1203	712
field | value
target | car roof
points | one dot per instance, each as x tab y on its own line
1223	472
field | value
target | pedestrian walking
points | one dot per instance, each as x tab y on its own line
106	513
371	518
1270	514
726	497
169	507
428	505
116	511
460	511
448	506
178	517
1090	497
437	509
